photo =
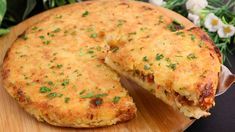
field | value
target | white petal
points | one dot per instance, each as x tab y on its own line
208	22
223	34
194	18
195	6
156	2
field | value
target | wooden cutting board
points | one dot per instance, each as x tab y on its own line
152	116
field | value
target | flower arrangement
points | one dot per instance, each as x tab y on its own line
216	17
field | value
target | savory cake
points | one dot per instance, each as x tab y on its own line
174	60
56	69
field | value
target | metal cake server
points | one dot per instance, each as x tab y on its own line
226	80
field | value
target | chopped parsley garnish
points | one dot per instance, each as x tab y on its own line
84	14
24	37
98	48
56	30
178	56
201	44
62	73
145	58
25	77
51	34
65	82
160	19
59	66
132	33
44	89
168	59
59	95
93	35
34	28
89	95
175	25
101	95
66	99
120	23
172	66
116	99
146	67
192	37
58	16
90	52
42	37
73	33
50	83
53	95
159	57
143	28
82	92
46	42
114	49
191	56
90	29
180	34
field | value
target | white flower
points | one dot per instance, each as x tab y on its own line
157	2
195	6
226	31
212	22
194	18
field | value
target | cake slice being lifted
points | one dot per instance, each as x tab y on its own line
179	67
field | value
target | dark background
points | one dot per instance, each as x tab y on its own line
222	115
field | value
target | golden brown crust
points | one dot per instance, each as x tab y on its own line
56	73
181	59
68	48
204	37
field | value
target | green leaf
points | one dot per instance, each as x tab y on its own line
159	56
3	6
72	1
116	99
29	7
65	82
51	3
66	99
48	4
44	89
89	95
53	95
60	2
17	10
82	92
101	95
4	31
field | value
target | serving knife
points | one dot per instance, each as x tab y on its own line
225	81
